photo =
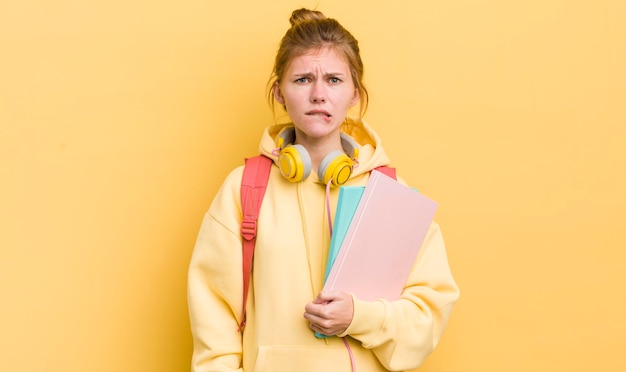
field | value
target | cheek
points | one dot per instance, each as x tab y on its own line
344	94
294	98
347	99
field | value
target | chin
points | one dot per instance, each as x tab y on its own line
318	130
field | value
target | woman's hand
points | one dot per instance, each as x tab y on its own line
330	313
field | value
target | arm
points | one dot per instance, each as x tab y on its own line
215	288
404	332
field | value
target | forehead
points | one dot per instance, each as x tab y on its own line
326	59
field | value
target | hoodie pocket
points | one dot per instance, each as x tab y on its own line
302	359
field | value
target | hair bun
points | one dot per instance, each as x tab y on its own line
303	15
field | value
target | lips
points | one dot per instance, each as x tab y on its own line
318	112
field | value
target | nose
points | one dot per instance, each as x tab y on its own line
318	92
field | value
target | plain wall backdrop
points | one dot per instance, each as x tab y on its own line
119	120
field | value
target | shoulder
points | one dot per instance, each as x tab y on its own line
229	194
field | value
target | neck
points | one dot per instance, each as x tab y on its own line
319	148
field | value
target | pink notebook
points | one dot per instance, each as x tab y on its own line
383	240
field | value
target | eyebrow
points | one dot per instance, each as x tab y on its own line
310	74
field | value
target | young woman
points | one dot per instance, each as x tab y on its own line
317	79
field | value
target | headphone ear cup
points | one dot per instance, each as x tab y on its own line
294	163
336	168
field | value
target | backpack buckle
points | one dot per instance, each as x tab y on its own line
248	229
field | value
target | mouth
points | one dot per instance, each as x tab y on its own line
321	113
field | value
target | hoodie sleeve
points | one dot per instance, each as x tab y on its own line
215	284
404	332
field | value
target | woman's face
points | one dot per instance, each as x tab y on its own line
317	90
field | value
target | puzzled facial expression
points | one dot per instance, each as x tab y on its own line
317	90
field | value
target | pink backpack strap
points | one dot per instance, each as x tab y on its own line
388	171
253	184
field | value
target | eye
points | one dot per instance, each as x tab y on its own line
334	80
302	80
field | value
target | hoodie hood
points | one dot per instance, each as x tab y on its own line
371	153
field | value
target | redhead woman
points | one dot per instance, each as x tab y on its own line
317	79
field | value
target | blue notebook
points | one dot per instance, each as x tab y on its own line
349	197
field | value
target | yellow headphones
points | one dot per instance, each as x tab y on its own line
294	161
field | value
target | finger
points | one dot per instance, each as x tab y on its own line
312	318
313	309
326	297
316	317
319	329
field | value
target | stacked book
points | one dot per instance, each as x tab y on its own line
377	234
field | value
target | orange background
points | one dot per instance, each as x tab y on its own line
119	120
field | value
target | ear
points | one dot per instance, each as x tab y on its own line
356	98
277	95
